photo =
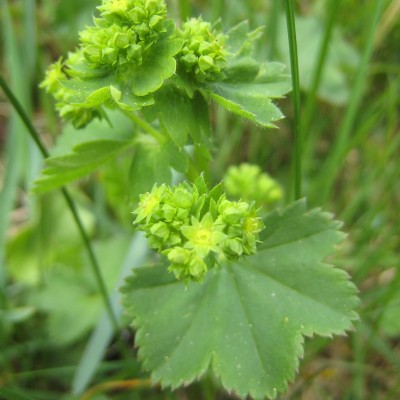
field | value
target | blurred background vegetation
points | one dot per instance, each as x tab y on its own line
55	342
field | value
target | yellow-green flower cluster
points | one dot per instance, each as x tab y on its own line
248	182
203	53
124	30
197	229
78	115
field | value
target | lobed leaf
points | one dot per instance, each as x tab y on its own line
247	320
252	99
94	92
181	116
80	152
159	64
150	165
241	40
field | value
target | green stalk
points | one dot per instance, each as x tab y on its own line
30	58
147	128
359	355
15	144
326	179
93	261
273	28
184	10
323	52
294	65
217	9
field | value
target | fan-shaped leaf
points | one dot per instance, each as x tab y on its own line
253	99
80	152
246	321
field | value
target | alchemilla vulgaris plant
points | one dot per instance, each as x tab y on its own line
238	283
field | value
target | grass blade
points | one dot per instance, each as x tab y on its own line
273	27
326	179
6	394
30	58
316	80
102	334
184	10
294	65
15	143
71	205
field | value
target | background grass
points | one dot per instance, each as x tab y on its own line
350	163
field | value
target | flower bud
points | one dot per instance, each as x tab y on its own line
109	55
202	53
93	54
183	198
206	63
121	40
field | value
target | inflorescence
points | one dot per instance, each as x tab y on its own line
196	228
203	53
121	40
248	182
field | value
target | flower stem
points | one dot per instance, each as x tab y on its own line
147	127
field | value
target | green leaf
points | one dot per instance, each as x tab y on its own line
241	39
78	153
181	116
175	112
57	243
75	281
93	93
244	69
150	165
7	394
246	321
158	64
252	99
178	157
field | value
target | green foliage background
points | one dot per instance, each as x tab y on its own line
53	332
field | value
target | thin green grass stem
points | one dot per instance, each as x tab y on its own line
93	260
184	10
30	61
26	120
15	144
319	67
326	179
11	395
358	381
273	28
294	65
380	344
217	9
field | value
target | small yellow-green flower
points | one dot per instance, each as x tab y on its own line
187	264
232	211
54	75
115	6
149	202
203	236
